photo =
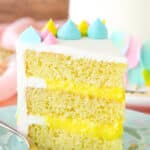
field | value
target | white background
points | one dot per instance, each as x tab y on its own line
130	16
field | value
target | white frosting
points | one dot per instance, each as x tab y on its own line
35	82
101	50
21	103
24	120
30	119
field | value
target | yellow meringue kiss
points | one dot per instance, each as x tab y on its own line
104	22
51	27
83	27
146	75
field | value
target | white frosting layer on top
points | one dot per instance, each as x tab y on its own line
101	50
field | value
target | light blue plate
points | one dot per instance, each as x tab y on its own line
136	135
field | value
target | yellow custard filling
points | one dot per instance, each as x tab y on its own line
108	93
86	128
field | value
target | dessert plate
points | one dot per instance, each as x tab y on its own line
135	100
139	97
136	131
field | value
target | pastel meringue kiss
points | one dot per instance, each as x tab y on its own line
135	75
51	27
83	27
97	30
104	21
133	53
44	33
69	31
146	75
50	39
30	35
145	55
121	41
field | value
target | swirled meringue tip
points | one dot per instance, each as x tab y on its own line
51	27
30	35
83	27
145	55
69	31
50	39
97	30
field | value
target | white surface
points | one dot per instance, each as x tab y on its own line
101	50
131	16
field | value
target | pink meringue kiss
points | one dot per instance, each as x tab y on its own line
44	34
133	53
50	39
8	80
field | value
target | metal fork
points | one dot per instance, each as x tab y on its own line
14	131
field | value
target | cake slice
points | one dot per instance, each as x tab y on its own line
70	90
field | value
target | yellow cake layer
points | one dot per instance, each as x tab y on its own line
116	94
69	105
48	139
53	66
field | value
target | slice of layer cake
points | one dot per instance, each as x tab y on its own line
70	89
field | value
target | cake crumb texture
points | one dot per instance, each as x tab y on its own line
82	105
67	105
59	67
47	139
